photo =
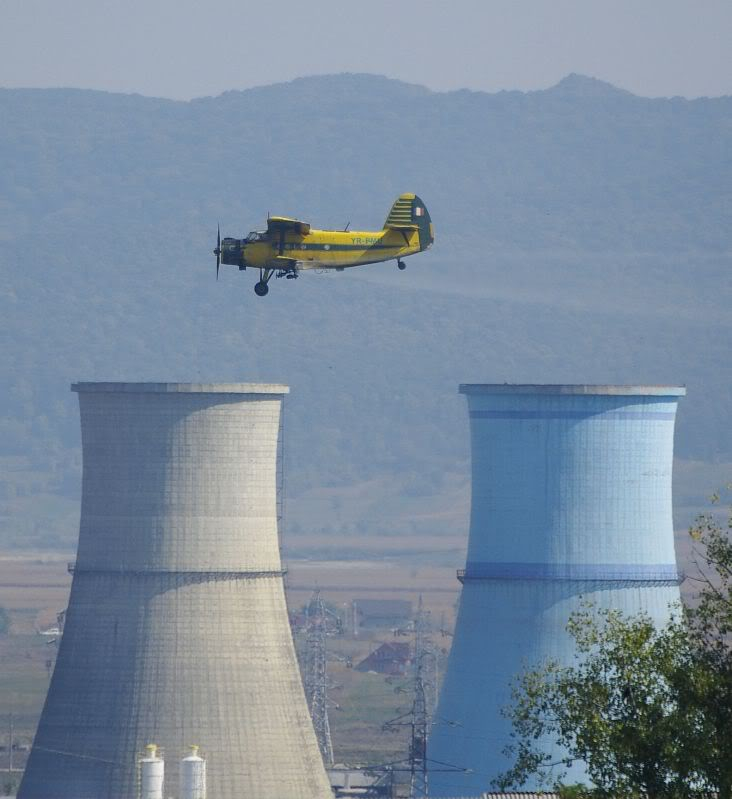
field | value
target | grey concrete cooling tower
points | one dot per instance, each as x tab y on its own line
571	501
177	630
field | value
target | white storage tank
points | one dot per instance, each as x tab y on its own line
193	776
152	774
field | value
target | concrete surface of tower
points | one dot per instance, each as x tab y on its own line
571	498
177	630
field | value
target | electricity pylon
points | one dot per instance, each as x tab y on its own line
421	716
418	717
320	623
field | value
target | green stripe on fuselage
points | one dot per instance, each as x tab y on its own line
307	247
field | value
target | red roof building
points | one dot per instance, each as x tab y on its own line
390	658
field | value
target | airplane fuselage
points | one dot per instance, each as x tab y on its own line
322	249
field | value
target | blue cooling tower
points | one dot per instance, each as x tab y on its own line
571	500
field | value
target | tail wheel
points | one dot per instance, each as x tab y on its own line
401	265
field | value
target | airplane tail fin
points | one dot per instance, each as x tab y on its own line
410	213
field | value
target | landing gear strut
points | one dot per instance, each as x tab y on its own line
261	288
401	265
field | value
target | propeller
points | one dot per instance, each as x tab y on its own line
217	251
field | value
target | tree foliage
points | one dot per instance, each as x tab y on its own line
648	710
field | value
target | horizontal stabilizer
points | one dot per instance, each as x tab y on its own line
393	226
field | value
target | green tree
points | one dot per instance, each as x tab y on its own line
648	710
709	690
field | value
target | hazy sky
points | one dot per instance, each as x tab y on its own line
190	48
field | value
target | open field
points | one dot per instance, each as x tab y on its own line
33	589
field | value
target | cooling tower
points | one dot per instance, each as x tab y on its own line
177	631
571	499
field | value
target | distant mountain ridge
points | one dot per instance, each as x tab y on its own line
583	86
583	235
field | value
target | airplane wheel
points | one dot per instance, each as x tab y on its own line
401	265
261	289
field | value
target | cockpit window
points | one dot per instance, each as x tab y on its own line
255	235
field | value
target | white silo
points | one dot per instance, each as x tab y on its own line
193	776
152	774
177	628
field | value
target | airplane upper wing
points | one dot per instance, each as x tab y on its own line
277	224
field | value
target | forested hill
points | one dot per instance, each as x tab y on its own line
583	235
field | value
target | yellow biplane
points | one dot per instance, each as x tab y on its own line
288	246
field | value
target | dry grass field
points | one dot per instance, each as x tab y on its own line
33	589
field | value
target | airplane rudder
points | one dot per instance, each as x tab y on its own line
421	217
